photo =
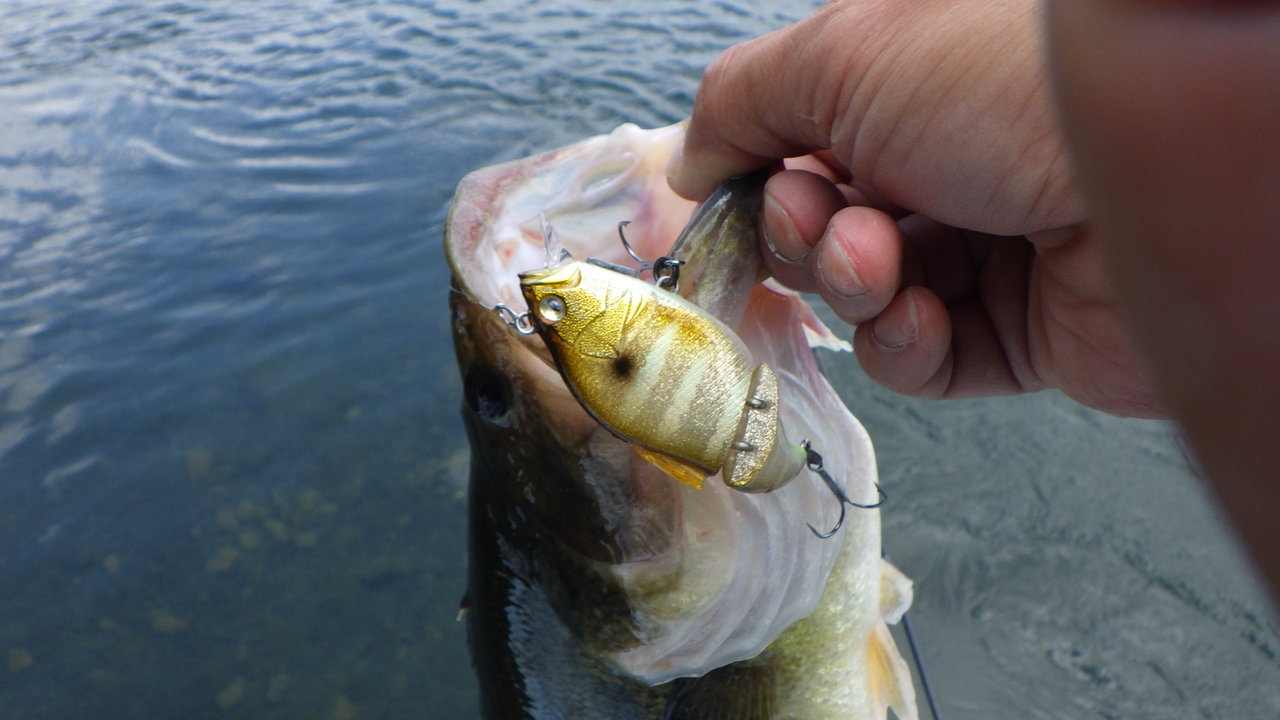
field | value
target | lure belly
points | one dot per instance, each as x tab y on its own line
662	374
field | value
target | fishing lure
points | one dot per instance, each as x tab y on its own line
663	375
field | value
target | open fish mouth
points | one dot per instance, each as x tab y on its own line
693	579
582	191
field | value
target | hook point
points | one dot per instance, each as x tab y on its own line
814	463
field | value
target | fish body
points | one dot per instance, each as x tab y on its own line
598	586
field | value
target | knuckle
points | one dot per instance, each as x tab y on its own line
717	79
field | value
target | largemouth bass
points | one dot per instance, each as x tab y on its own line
600	586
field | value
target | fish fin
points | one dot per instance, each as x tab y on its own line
678	469
815	330
895	593
890	678
739	691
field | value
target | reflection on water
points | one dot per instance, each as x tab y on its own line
230	464
231	469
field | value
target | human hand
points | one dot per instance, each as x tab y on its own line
936	208
1172	113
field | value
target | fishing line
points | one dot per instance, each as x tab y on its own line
915	655
924	677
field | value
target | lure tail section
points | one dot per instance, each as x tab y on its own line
760	458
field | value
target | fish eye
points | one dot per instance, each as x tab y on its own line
488	394
551	308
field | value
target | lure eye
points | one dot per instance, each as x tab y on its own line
551	308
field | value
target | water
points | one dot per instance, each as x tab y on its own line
231	469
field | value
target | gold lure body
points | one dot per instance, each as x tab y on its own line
662	374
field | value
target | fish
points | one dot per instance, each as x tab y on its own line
599	585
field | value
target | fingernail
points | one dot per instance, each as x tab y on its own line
836	270
790	247
896	331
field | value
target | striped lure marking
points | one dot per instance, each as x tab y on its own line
663	375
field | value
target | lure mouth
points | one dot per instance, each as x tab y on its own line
563	275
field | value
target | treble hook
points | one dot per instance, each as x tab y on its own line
666	270
626	245
814	462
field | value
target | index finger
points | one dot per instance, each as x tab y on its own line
752	109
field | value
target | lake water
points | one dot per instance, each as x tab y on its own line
231	467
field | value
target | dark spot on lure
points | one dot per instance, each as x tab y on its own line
623	367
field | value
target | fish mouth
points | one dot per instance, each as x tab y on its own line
496	223
708	576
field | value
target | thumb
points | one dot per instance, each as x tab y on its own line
744	114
